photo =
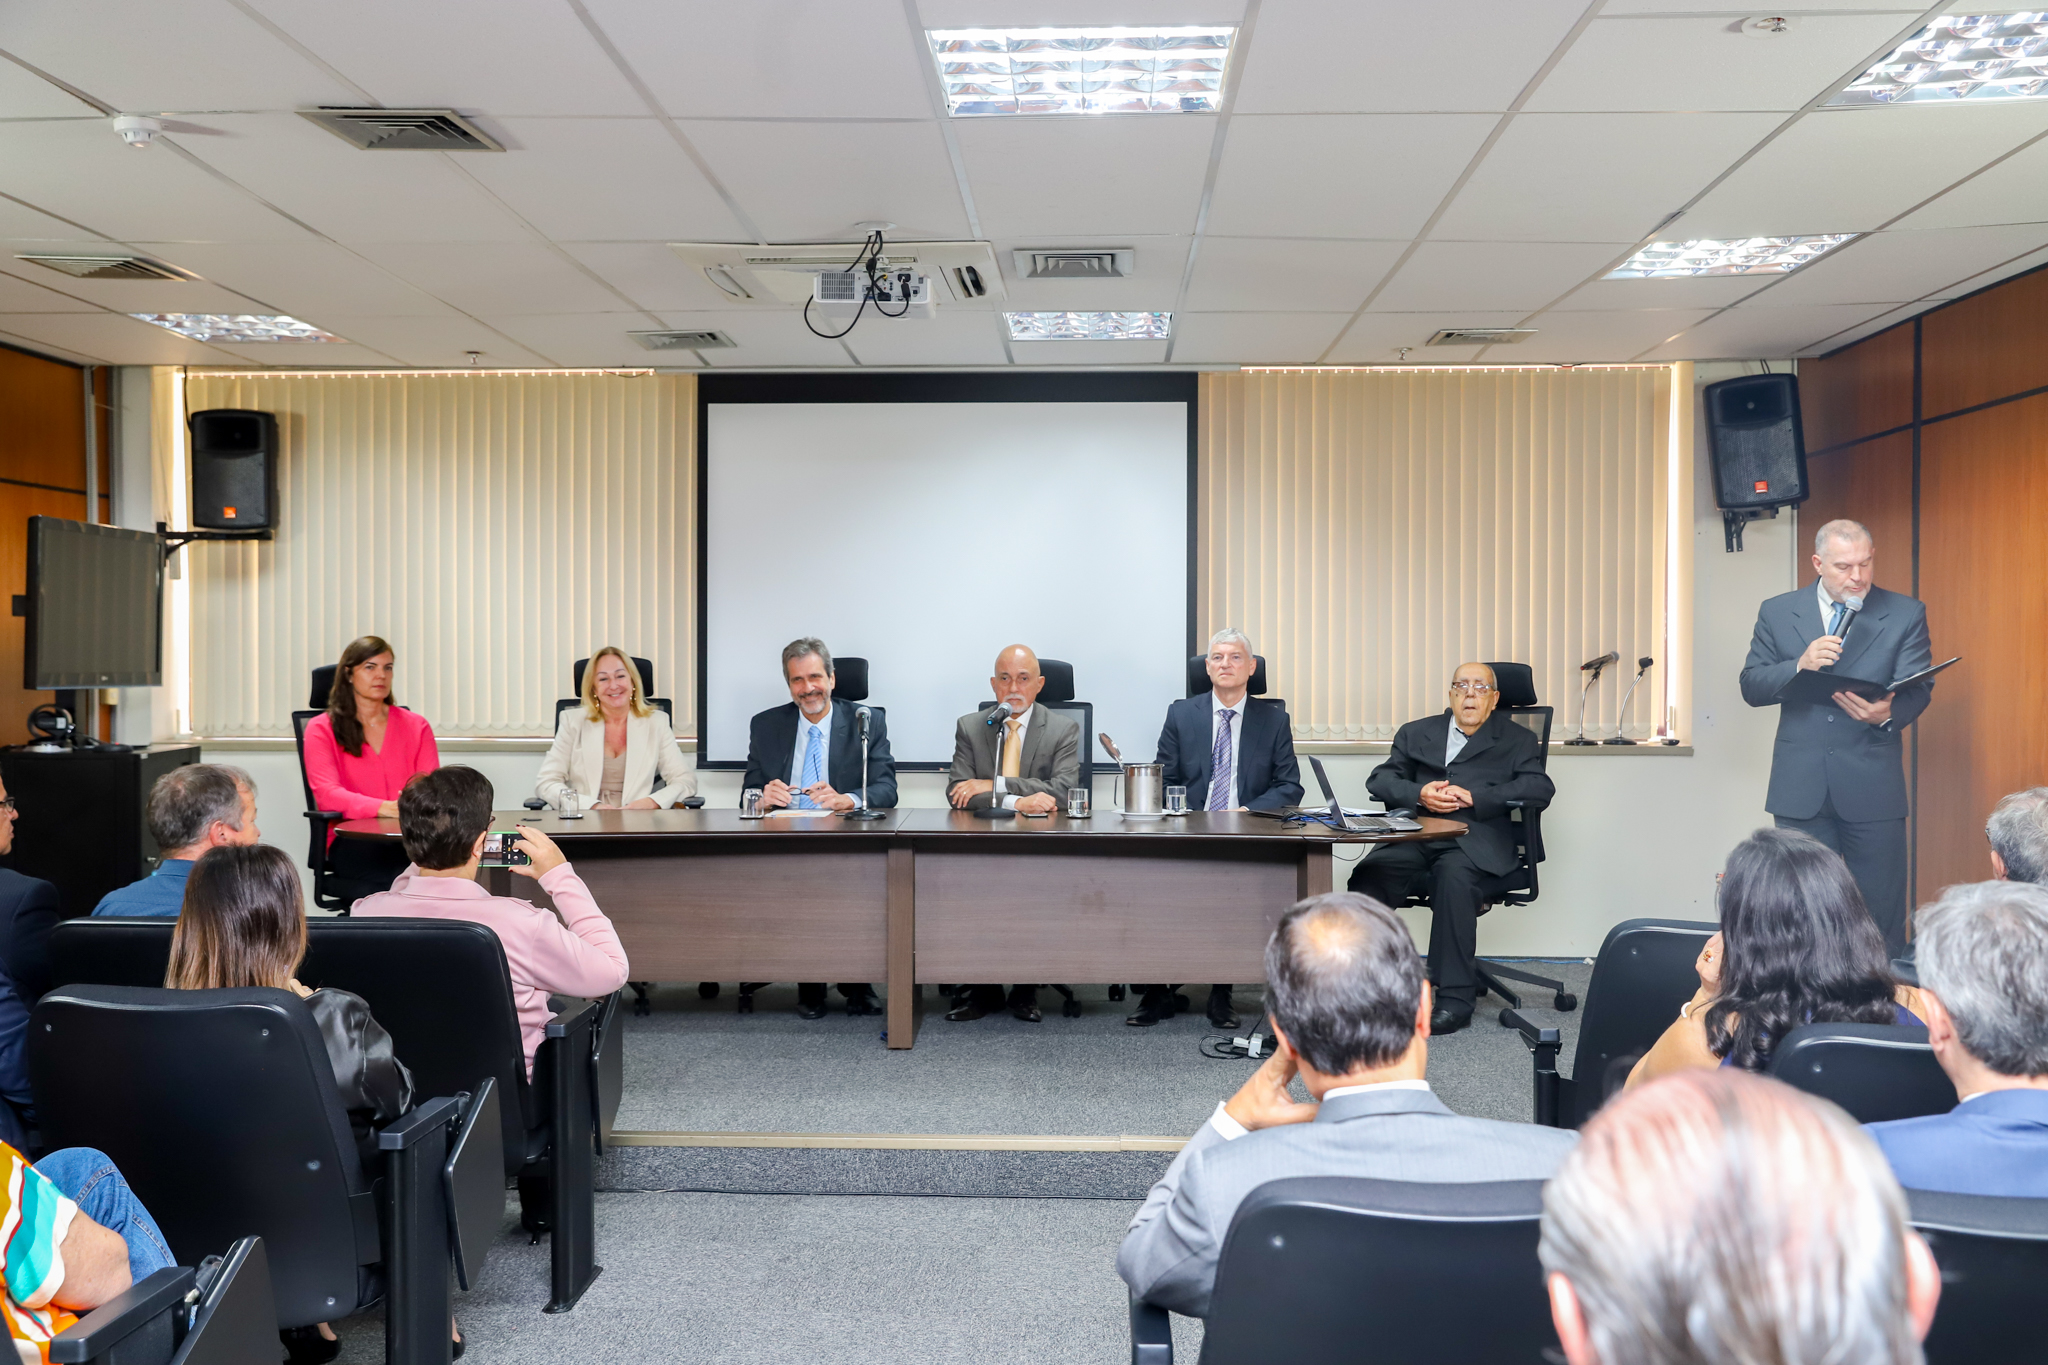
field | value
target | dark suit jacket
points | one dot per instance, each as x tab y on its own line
771	748
29	910
1501	763
1051	761
1996	1144
1821	751
1267	776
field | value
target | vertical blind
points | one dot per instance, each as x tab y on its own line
1372	529
492	527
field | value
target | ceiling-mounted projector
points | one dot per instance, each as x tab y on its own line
895	293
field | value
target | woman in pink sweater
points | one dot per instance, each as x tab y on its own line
359	756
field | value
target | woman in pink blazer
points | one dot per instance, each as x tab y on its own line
359	756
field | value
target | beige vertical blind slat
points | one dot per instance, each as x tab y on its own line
492	527
1371	529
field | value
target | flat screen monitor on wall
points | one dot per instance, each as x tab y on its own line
95	606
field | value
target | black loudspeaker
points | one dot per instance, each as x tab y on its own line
234	470
1755	440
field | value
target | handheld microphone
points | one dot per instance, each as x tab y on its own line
998	713
1595	665
1845	612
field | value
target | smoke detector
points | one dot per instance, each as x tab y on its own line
138	129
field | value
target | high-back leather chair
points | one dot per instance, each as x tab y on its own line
1993	1255
1058	695
1877	1072
646	667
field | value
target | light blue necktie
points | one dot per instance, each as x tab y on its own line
1222	781
814	768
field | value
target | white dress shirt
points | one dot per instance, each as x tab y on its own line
1455	744
1229	1129
804	726
1023	719
1827	605
1236	741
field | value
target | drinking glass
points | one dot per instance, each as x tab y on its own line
1077	802
569	803
750	803
1176	800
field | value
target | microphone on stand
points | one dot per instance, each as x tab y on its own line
861	716
1642	667
998	713
1594	667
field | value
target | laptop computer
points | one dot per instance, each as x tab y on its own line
1335	815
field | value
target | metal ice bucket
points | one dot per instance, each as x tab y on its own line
1144	784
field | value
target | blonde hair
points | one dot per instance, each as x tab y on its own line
636	705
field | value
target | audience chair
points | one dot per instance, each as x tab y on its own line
220	1314
1642	977
1334	1268
1993	1255
220	1109
1875	1071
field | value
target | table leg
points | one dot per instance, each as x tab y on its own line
1313	878
902	948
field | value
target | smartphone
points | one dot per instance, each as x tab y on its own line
501	850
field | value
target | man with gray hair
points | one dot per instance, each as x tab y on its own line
1720	1218
2018	831
192	809
1350	1020
1837	770
1983	962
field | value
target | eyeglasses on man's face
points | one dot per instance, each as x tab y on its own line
1466	685
7	805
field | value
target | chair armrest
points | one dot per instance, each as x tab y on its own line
136	1308
1544	1044
326	817
577	1013
1151	1333
410	1129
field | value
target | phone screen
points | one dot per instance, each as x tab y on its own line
500	850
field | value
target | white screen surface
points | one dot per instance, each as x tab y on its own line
924	537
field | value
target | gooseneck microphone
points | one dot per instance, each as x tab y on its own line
861	715
1642	667
1592	667
1595	665
998	713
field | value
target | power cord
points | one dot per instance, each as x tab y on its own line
1256	1045
870	253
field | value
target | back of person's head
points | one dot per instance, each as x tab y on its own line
1983	950
243	921
440	815
1800	948
2018	831
186	801
1717	1218
1343	982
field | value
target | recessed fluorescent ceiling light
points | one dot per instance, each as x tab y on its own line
236	327
1961	57
1745	256
1081	70
1090	326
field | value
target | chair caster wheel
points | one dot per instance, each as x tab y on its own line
1116	992
1071	1009
707	990
746	1005
1566	1001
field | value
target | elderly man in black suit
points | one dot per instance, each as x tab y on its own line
1232	751
29	910
1465	764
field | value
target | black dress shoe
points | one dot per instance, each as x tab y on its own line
306	1346
1155	1007
1443	1019
966	1011
810	1009
1027	1012
1220	1013
864	1003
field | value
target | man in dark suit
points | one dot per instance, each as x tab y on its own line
29	910
821	774
1837	770
1247	740
1465	764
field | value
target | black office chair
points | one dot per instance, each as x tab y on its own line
666	706
442	991
1875	1071
1993	1255
219	1107
220	1314
322	821
1641	979
1332	1268
1198	678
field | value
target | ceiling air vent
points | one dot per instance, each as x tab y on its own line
1090	263
403	130
1481	336
684	341
109	267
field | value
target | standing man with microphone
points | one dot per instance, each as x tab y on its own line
1838	770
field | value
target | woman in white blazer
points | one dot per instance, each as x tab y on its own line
616	752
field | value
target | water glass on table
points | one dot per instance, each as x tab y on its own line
1077	803
1176	800
750	804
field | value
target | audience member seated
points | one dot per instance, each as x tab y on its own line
191	809
1797	946
359	756
616	751
2018	831
442	818
1720	1219
1984	993
73	1236
29	910
1351	1018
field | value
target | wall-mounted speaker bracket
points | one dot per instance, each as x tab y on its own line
1733	519
174	541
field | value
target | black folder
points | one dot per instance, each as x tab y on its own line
1817	687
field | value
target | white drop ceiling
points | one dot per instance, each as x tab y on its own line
1378	172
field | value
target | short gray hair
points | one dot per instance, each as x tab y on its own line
1842	529
186	801
1983	950
803	648
1716	1217
1343	981
1230	635
2018	831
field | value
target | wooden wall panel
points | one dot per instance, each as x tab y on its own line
1859	391
1871	482
1983	507
1988	346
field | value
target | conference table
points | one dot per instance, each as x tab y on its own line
931	895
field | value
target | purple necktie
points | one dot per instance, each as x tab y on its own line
1221	779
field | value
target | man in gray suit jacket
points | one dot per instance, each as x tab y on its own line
1837	770
1351	1018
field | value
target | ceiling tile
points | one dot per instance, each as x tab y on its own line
1089	352
1695	7
1376	338
1154	282
1285	275
789	59
650	274
23	94
82	172
495	277
1897	267
599	179
21	221
1596	338
1751	332
946	339
303	356
1849	170
1851	335
1551	177
853	172
23	293
1695	62
110	338
2004	270
1311	56
1058	176
157	296
442	342
2013	191
767	338
305	279
1717	291
1075	13
1345	175
1253	338
588	339
1526	275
